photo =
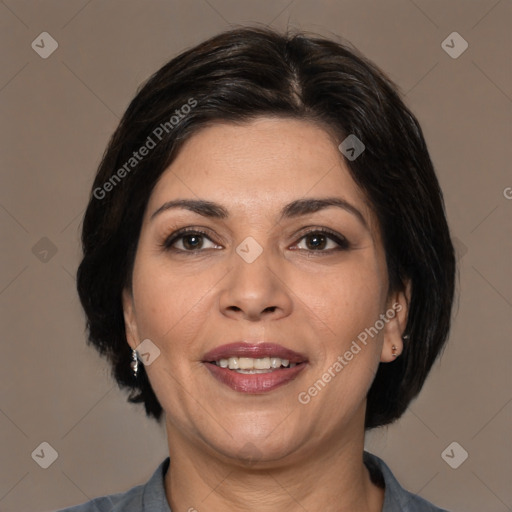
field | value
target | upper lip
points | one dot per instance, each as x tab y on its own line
259	350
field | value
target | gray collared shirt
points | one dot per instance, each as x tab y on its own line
150	497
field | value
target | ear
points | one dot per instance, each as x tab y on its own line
398	303
130	322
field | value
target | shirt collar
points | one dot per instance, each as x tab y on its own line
153	497
395	496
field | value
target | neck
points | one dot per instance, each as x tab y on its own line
331	478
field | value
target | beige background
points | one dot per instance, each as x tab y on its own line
57	114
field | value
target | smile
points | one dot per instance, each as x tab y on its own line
254	368
250	365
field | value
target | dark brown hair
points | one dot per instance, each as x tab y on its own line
239	75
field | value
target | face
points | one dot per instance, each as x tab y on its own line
259	284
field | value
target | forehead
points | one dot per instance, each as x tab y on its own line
258	166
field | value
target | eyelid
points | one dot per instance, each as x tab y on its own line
338	238
177	234
342	242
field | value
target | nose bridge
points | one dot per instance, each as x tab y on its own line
250	250
254	286
252	267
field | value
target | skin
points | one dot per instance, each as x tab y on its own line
265	452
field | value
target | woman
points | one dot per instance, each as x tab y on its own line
268	266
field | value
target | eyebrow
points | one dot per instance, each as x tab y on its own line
294	209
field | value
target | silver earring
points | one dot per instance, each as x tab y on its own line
135	363
405	337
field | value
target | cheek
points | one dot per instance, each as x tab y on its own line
170	305
342	308
347	299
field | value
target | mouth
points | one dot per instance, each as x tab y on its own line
256	369
251	365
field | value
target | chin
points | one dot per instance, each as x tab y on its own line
258	449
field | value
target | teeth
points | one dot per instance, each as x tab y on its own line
262	364
254	365
245	363
253	371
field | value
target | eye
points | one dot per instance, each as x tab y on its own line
317	240
193	240
190	240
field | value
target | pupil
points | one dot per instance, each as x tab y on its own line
317	237
188	245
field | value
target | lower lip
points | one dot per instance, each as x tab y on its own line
255	382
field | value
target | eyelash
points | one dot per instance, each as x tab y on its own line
181	233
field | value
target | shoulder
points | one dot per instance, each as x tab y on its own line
126	501
395	496
148	497
129	501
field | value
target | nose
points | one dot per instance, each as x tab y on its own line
256	291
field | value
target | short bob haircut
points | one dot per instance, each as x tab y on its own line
240	75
